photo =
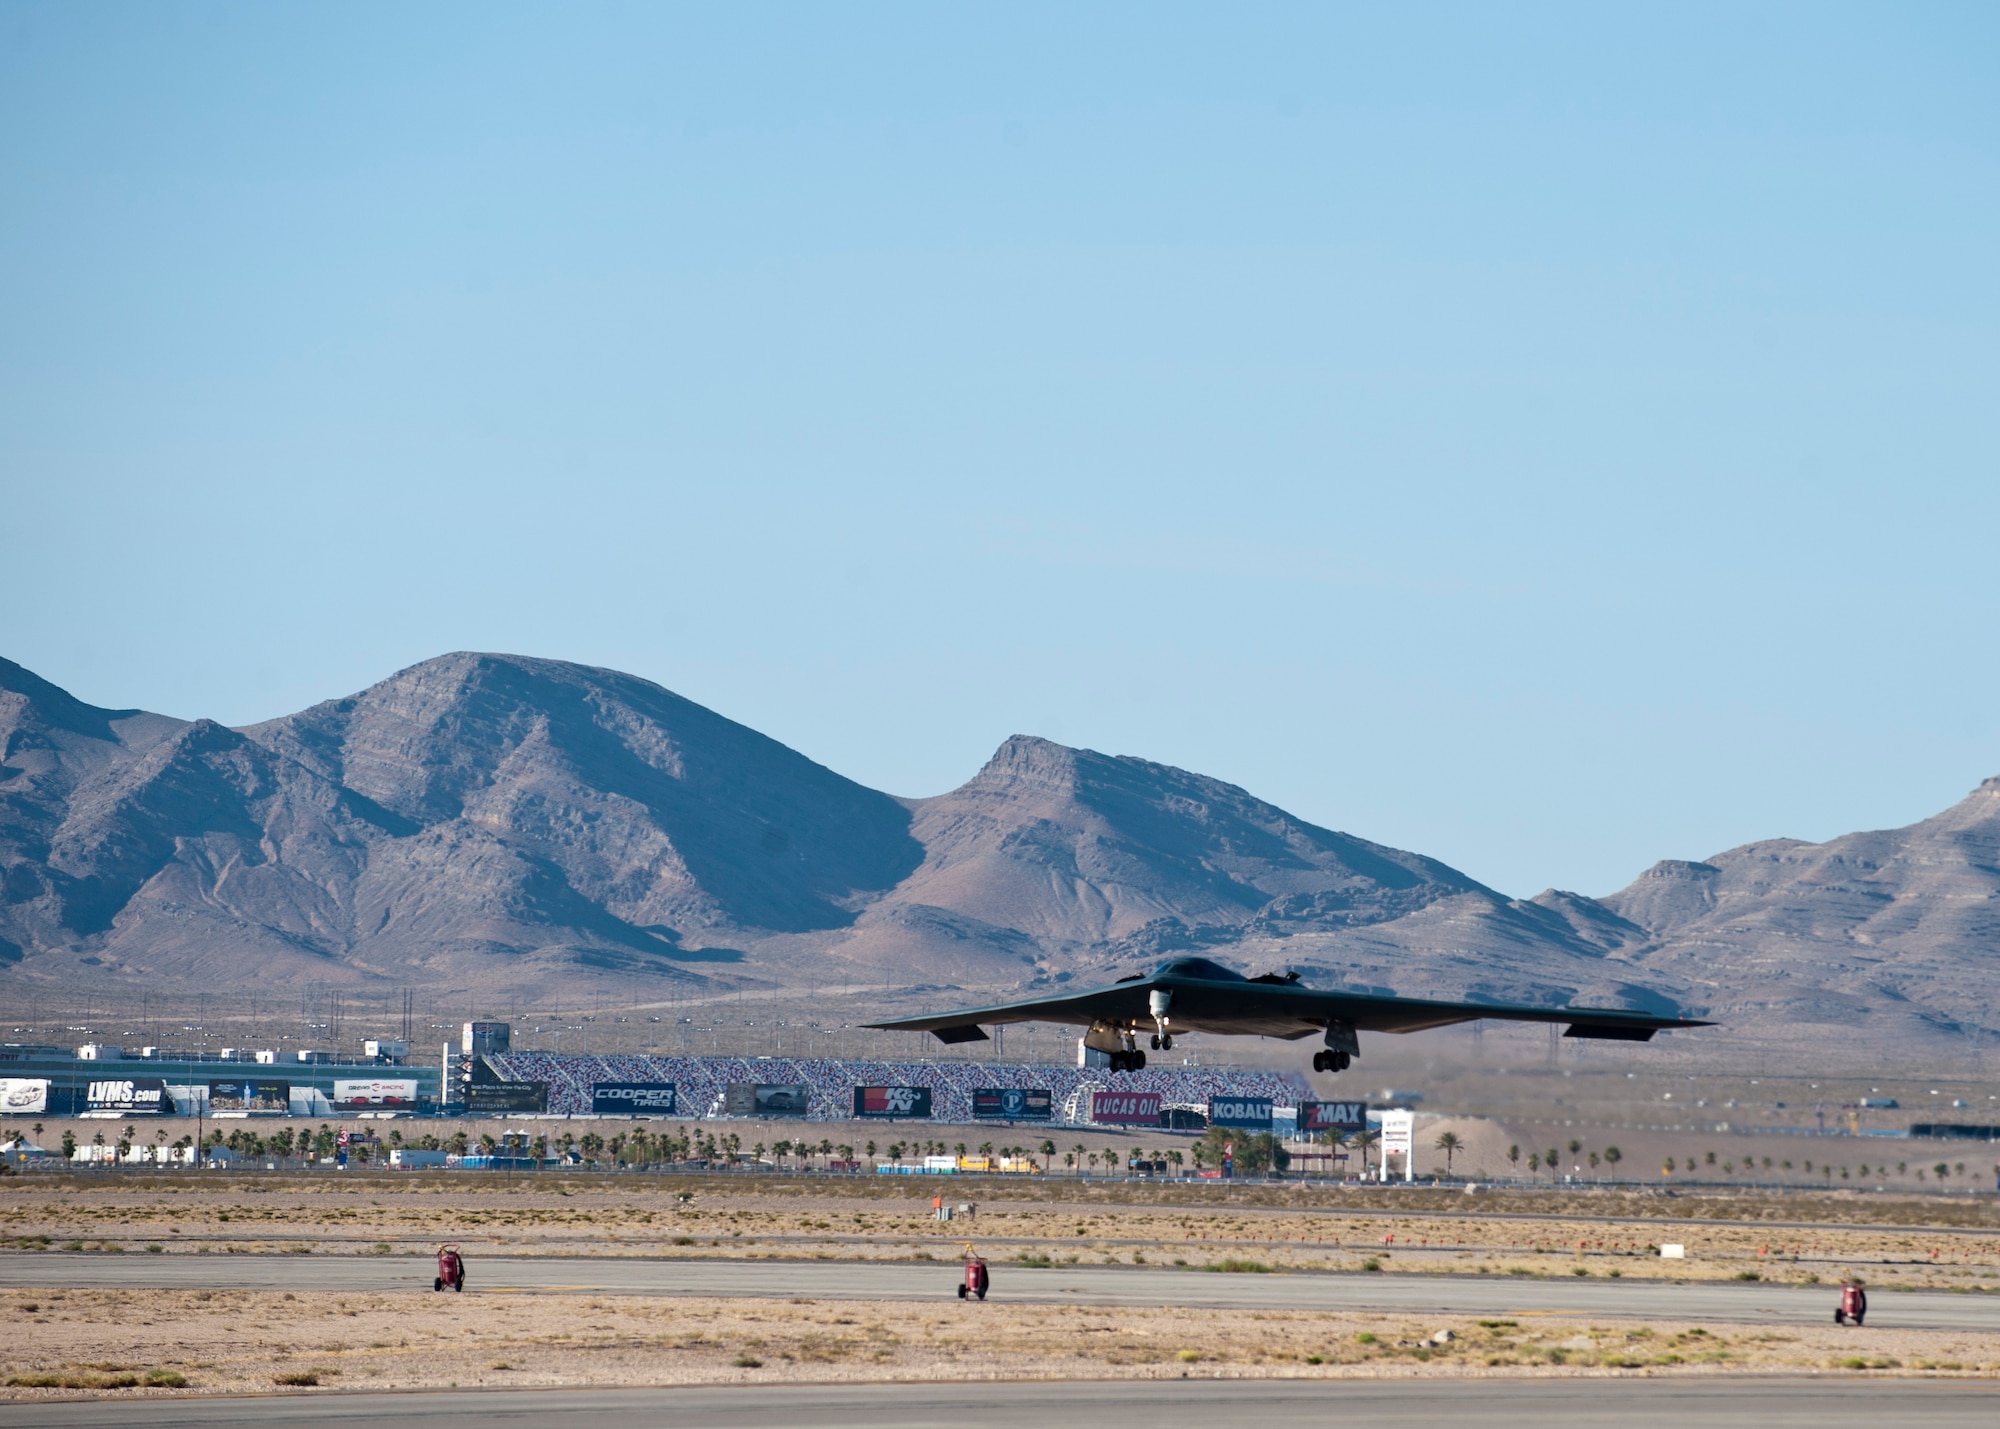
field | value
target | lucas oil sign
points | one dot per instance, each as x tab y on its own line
892	1101
1125	1108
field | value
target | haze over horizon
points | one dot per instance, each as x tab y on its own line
1550	441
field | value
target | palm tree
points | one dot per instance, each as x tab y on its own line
1612	1156
1534	1163
1449	1143
1364	1138
1514	1157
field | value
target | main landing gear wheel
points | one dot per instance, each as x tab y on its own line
1331	1061
1128	1061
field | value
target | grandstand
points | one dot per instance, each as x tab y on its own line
701	1081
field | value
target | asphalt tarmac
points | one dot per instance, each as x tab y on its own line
1467	1295
1788	1403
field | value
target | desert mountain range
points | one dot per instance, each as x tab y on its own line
492	822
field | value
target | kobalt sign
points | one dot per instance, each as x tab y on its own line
1125	1108
1251	1112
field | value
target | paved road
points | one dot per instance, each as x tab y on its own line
1075	1285
1829	1403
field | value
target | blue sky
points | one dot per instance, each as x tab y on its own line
1551	438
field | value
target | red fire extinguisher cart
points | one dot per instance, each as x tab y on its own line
1853	1304
974	1283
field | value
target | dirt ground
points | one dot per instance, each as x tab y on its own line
70	1342
67	1343
1909	1242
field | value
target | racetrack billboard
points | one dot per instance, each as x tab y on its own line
24	1096
763	1099
501	1098
633	1099
1253	1113
389	1093
1316	1117
1012	1104
892	1102
137	1096
1125	1108
267	1097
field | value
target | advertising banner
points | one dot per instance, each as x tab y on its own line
392	1092
1399	1138
1125	1108
1013	1104
269	1097
759	1099
1316	1117
141	1096
633	1099
892	1102
24	1096
1253	1113
502	1098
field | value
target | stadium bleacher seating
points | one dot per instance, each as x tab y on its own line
701	1081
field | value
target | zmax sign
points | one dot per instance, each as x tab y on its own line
1332	1116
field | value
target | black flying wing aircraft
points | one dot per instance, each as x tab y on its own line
1197	995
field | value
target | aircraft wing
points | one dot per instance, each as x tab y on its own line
1080	1009
1273	1007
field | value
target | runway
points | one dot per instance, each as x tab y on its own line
1466	1295
1788	1403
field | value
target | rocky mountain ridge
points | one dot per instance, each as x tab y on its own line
488	822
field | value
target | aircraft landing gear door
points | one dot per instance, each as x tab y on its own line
1343	1045
1117	1045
